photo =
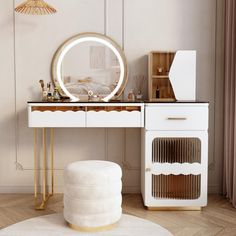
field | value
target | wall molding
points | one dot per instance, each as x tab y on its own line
126	165
19	162
19	166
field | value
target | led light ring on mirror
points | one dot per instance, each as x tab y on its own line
93	39
97	38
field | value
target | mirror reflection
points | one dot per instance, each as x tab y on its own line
90	67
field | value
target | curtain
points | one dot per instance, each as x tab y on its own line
229	163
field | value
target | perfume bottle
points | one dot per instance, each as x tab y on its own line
44	95
96	98
56	95
157	92
50	97
131	95
90	95
160	70
139	96
44	91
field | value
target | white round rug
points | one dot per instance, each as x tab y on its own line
54	225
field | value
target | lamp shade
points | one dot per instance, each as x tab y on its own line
35	7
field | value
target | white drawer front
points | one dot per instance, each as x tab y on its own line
176	118
115	119
56	119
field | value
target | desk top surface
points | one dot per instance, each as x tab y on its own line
114	102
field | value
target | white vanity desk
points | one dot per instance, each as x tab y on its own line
86	114
174	144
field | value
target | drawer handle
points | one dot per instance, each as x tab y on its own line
176	118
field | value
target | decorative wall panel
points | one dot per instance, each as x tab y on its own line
27	46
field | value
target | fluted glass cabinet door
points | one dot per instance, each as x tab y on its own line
175	168
180	187
176	150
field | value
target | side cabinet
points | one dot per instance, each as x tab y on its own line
175	155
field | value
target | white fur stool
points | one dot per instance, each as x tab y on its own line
92	195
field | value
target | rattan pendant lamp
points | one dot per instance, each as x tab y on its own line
35	7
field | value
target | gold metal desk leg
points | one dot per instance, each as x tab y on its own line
35	166
44	163
45	195
52	160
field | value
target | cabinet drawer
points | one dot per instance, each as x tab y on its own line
177	117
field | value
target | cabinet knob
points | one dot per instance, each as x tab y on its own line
148	169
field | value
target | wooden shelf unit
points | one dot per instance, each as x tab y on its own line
159	86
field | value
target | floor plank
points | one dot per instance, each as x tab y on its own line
218	218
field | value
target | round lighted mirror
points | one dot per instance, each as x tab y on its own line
90	65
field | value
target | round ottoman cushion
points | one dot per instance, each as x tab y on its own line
92	194
96	192
84	173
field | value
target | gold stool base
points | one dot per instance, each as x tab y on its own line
91	229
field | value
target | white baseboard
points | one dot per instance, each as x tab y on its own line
131	189
58	189
16	189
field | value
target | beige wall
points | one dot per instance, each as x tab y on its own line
27	45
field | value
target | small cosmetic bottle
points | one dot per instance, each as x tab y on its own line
139	96
50	97
157	93
131	95
45	95
56	95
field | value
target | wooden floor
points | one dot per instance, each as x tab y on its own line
218	218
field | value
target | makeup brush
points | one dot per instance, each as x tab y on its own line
49	87
42	84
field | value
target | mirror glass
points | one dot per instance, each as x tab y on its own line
90	67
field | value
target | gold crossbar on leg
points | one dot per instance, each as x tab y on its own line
45	195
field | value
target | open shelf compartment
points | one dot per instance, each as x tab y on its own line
160	87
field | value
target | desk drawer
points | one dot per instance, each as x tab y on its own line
115	119
56	116
177	117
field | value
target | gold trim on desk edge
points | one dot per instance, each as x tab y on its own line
187	208
85	108
91	229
